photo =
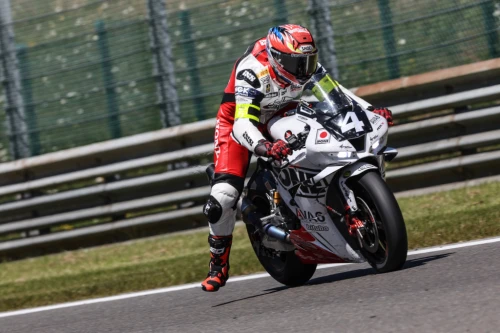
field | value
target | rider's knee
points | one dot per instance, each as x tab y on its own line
220	208
222	201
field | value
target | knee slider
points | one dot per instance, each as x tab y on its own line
221	202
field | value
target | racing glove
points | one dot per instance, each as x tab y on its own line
384	112
278	150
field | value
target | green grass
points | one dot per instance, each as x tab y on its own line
434	219
454	216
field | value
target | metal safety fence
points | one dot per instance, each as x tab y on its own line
447	130
77	72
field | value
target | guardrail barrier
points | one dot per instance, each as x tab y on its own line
447	130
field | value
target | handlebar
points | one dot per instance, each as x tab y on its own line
295	142
298	141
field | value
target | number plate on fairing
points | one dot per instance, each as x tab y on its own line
352	124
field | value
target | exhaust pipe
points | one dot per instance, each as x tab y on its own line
251	216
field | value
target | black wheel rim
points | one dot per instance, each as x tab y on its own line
374	243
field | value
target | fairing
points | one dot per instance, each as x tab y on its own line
311	171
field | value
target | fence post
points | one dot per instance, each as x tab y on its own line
163	64
490	28
322	29
192	62
27	93
109	80
388	35
281	12
11	81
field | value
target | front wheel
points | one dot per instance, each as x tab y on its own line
384	243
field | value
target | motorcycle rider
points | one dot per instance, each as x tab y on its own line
264	81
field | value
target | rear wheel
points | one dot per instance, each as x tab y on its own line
384	243
284	266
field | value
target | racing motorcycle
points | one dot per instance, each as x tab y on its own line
328	202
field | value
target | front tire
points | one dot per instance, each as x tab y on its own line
378	201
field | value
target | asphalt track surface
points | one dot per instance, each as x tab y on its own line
446	290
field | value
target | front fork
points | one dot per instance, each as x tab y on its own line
355	226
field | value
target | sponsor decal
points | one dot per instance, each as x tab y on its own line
289	177
295	88
247	138
262	42
282	92
217	251
243	100
216	141
346	191
268	88
322	136
312	227
249	76
373	138
306	48
207	207
279	103
263	72
375	119
365	167
265	79
298	29
288	134
273	94
307	215
360	170
345	146
246	92
380	126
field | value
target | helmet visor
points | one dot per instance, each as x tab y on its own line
302	66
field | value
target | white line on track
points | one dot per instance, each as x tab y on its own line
233	279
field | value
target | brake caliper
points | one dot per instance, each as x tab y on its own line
355	226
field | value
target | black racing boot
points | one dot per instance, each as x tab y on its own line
220	246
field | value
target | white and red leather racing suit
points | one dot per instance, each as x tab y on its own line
251	98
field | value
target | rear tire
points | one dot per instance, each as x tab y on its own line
391	230
284	266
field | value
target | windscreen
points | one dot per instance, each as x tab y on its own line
332	99
335	110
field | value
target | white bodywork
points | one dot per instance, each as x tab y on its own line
318	161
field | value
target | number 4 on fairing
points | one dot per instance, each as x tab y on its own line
350	122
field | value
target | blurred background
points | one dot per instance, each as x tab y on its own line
87	71
93	93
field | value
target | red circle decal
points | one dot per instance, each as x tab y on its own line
323	135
